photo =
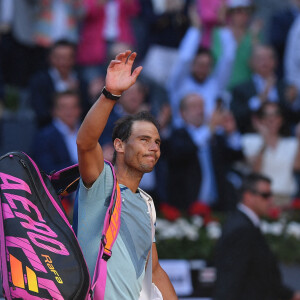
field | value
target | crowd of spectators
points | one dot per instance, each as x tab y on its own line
222	80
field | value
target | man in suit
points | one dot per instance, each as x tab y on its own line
193	154
248	97
59	77
55	145
246	267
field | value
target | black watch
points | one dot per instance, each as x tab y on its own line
109	95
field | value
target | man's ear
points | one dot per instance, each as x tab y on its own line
119	145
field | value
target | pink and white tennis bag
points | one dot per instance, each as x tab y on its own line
40	255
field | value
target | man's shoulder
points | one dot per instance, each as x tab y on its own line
238	222
49	133
41	76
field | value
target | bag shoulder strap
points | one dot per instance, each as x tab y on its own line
111	227
66	181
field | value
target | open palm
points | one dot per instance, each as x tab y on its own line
119	75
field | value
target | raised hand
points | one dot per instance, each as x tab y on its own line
119	75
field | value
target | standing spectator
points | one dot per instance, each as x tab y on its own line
271	153
189	154
263	86
292	60
105	23
246	266
21	57
59	77
280	25
227	156
1	88
167	21
237	34
212	13
56	20
193	71
55	145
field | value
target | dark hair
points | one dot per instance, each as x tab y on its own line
250	181
58	95
261	111
284	130
64	43
123	126
204	51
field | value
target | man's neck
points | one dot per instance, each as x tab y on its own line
128	177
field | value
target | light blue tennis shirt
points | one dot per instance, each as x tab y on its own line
126	267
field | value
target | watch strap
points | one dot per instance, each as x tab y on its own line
109	95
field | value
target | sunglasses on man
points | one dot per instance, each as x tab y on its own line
265	195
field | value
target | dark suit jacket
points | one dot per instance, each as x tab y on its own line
184	172
41	92
239	103
223	158
280	25
246	267
50	151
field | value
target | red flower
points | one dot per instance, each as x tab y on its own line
199	209
210	218
274	213
169	212
296	204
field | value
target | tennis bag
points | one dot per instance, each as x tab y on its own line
40	255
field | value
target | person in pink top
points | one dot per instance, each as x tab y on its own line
211	13
105	23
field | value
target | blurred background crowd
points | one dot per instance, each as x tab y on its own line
221	76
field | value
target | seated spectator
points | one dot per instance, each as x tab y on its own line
246	267
60	76
193	72
271	153
104	24
263	86
280	24
189	152
238	35
55	145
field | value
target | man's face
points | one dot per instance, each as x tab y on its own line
263	61
142	149
68	110
193	110
201	67
240	16
63	59
133	98
260	199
